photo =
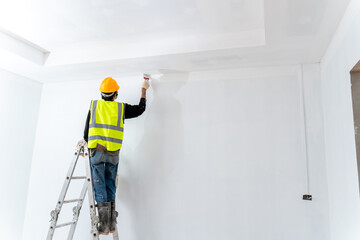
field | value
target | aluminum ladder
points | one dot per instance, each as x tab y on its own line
76	210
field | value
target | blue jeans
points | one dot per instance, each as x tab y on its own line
103	170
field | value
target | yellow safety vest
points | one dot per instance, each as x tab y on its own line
106	125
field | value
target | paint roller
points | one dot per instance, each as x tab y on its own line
147	76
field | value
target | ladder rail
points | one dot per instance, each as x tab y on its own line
115	234
68	178
76	211
55	213
94	219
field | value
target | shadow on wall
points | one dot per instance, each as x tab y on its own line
150	191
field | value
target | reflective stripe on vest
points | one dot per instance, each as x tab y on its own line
106	124
109	139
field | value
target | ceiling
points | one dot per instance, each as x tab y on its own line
63	40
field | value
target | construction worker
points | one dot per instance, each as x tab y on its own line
104	134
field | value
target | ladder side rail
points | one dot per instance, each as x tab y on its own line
77	210
115	234
93	217
55	213
68	179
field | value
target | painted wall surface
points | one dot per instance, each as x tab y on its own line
216	155
19	104
342	55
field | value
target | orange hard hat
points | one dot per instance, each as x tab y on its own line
109	85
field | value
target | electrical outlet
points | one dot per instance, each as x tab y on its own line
307	197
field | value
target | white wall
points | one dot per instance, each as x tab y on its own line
342	55
19	104
216	155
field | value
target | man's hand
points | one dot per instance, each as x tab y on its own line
80	144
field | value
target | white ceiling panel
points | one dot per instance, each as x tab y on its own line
60	24
98	37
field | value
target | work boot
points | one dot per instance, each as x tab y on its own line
114	215
104	209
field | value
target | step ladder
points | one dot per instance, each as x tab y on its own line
87	187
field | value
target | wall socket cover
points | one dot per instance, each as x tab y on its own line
307	197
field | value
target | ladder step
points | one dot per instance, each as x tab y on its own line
73	200
64	224
80	177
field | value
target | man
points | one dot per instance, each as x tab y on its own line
104	134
